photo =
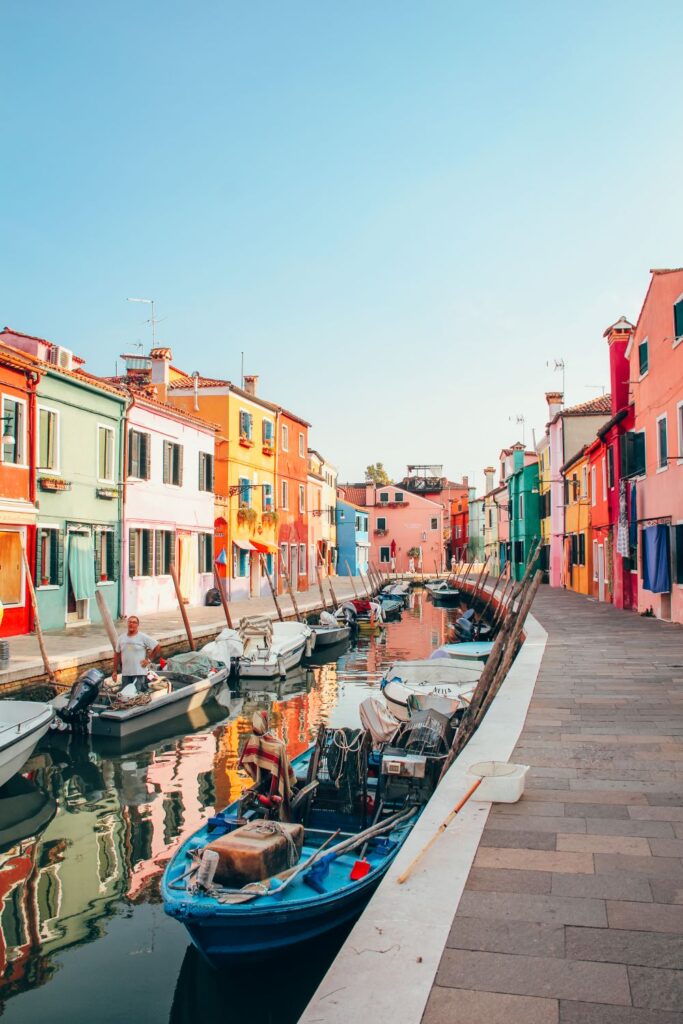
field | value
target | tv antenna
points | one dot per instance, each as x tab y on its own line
519	419
558	364
597	387
152	320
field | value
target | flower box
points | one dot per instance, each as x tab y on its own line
54	483
245	441
107	493
268	449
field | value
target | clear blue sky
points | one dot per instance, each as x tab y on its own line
399	211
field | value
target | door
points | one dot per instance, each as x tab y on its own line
80	586
294	563
601	572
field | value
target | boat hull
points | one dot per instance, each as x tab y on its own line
273	667
128	722
16	750
329	637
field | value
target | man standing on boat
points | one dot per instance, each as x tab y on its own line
135	651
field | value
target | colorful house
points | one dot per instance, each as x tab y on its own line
291	484
322	515
429	481
524	507
18	382
601	548
79	452
460	517
245	510
577	556
352	538
475	546
495	505
652	454
543	453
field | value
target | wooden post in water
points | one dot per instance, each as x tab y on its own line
273	592
320	587
39	631
335	602
181	604
368	592
475	592
107	620
221	594
289	589
353	585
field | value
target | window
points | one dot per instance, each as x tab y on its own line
205	558
584	481
13	431
48	439
677	552
434	522
240	562
302	450
285	494
105	555
105	454
49	566
521	506
205	471
595	560
398	496
11	568
267	497
267	432
603	468
519	551
678	319
246	425
594	490
573	549
139	451
164	552
582	549
381	522
662	443
385	554
285	438
302	559
610	466
457	531
643	357
679	413
140	552
173	464
284	556
245	492
633	453
302	498
384	496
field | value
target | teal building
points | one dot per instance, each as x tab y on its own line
524	508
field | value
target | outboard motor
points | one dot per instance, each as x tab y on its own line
83	693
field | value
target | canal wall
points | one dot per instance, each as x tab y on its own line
394	950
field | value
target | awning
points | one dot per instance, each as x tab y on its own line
265	549
244	544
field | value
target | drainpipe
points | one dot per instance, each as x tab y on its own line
32	379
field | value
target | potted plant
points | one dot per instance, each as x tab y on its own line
242	513
44	581
251	516
413	552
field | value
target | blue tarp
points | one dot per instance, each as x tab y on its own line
656	559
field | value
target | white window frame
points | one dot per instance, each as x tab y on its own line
387	560
106	479
302	447
284	494
302	498
593	485
645	341
250	419
603	471
660	468
382	519
677	339
584	481
595	561
303	568
679	421
521	507
56	471
40	527
24	439
285	437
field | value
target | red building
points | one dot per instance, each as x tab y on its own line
291	472
460	516
18	380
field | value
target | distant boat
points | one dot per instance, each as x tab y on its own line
22	724
443	678
474	650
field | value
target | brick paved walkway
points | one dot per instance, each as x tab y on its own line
573	910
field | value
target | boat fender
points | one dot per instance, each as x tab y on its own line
281	667
269	801
394	679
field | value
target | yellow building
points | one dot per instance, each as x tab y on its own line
577	569
245	524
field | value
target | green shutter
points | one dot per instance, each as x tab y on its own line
167	462
149	552
131	453
180	450
678	319
145	456
37	572
112	550
132	550
97	537
158	540
60	557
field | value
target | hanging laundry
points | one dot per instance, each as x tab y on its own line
633	518
622	530
656	559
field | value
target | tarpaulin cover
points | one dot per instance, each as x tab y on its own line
82	566
656	559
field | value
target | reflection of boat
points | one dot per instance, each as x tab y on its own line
22	724
330	858
211	712
327	655
299	680
25	810
433	678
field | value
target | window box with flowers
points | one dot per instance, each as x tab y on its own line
269	517
54	483
268	447
247	515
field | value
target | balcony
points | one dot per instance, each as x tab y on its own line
380	533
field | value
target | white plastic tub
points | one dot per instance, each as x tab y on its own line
503	783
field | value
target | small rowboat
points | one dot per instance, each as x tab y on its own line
328	636
474	650
442	678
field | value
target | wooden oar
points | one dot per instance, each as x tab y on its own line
442	828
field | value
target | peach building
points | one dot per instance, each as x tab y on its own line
405	529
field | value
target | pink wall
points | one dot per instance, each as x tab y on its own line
659	391
409	523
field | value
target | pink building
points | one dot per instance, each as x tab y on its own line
653	451
401	522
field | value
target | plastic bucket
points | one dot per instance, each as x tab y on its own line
502	782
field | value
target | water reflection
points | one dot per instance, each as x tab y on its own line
87	833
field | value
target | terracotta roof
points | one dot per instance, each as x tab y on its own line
34	337
140	395
78	375
358	508
187	381
600	406
11	357
666	270
354	493
575	458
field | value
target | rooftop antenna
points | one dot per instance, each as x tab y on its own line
558	364
519	419
598	387
152	320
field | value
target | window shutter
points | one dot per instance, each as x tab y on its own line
201	467
112	554
60	557
638	453
145	446
209	459
97	540
131	470
678	319
180	465
149	552
37	572
132	549
170	548
158	540
167	462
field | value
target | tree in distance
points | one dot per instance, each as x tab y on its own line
377	474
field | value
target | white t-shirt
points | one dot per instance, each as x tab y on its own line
133	650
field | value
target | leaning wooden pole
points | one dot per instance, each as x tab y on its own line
107	620
221	593
475	592
289	589
335	602
181	604
368	590
353	584
39	631
320	587
273	592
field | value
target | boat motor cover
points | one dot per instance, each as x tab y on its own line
256	851
83	693
326	619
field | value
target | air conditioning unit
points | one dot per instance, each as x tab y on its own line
63	358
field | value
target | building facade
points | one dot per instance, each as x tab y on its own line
521	475
292	485
577	561
352	538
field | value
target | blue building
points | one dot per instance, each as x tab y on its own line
353	542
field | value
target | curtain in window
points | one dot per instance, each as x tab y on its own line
187	546
82	566
656	559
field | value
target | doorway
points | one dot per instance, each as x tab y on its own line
601	572
80	578
294	570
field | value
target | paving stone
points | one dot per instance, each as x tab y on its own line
535	860
601	811
654	917
530	824
500	880
666	847
529	807
612	945
488	1008
669	813
529	937
518	838
619	827
665	890
546	976
628	845
655	989
623	886
600	1013
589	796
500	906
664	867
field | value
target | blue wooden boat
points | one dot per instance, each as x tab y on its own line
314	896
473	650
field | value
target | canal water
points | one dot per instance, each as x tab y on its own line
86	831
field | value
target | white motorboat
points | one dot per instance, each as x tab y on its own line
427	678
263	649
22	724
440	587
328	631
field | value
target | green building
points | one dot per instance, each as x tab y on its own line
524	507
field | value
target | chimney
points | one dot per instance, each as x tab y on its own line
161	362
250	383
618	337
490	475
465	482
517	457
555	400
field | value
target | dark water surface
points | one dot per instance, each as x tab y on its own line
86	833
